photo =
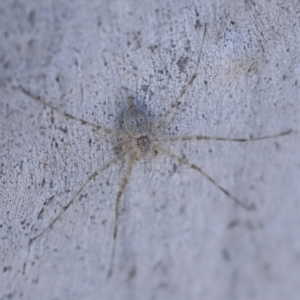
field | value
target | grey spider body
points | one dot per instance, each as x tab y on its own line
137	125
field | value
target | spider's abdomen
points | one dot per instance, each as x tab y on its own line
136	122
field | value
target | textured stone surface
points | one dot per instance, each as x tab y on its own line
179	236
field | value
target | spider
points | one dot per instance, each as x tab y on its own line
140	139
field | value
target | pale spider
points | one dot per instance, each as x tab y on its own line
139	139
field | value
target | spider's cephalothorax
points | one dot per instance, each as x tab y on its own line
137	124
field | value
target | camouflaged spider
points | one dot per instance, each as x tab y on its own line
141	139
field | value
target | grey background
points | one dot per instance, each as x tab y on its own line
179	236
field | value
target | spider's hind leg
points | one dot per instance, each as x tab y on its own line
208	177
216	138
120	192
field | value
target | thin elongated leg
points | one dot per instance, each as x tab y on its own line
83	122
93	175
120	144
193	166
212	138
158	124
120	192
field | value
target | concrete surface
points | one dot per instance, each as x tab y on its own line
179	236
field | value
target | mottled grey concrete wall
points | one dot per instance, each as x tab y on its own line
179	236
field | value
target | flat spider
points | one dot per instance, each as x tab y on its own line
139	139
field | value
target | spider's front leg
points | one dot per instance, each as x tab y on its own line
161	124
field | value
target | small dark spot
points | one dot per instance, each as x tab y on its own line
174	167
43	182
99	23
30	43
82	196
205	82
225	254
252	206
233	224
210	150
31	18
232	22
24	265
49	200
5	269
181	63
35	281
6	65
23	222
132	273
40	215
266	266
197	24
145	87
64	130
153	48
284	77
182	210
57	78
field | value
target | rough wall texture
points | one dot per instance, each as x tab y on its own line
179	236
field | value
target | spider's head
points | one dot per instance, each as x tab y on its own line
136	122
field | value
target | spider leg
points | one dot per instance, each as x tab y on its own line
120	144
120	192
93	175
43	102
204	137
193	166
159	123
